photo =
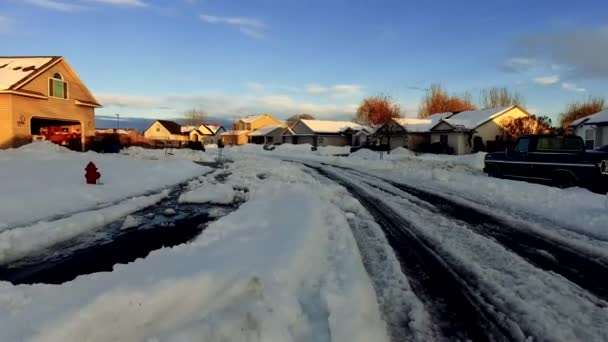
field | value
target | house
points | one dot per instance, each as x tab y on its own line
593	129
322	132
411	133
167	132
217	131
471	131
241	128
43	97
267	135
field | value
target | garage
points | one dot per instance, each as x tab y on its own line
62	132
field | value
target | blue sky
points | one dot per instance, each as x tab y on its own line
157	58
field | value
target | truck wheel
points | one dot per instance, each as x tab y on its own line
564	180
493	172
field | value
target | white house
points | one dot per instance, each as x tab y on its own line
322	132
470	131
408	132
593	129
267	135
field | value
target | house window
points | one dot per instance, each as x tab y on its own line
443	139
58	87
158	129
590	139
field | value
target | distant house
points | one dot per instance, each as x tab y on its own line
43	97
410	133
167	132
217	134
267	135
241	128
471	131
322	132
593	129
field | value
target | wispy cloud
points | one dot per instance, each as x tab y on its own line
339	90
573	87
251	27
519	65
55	5
228	106
123	3
546	80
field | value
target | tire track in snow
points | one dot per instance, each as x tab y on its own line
586	271
460	312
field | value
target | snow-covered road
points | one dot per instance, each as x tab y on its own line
327	249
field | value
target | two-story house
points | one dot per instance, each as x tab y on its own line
44	97
239	135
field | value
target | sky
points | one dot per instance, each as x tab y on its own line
159	58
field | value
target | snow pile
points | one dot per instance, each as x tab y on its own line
19	242
50	179
249	277
209	193
169	154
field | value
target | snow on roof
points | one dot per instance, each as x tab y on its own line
597	118
15	69
188	129
213	128
251	118
235	132
471	119
264	130
421	125
325	126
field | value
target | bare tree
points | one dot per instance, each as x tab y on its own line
499	97
294	118
582	109
437	100
194	117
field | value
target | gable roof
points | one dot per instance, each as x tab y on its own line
421	125
172	127
326	126
15	70
471	119
593	119
265	130
214	128
252	118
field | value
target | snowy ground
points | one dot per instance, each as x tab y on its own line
300	260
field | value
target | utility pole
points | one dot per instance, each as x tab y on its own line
117	123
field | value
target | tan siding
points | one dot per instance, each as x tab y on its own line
489	130
6	127
159	132
264	121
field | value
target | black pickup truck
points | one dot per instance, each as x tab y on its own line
558	160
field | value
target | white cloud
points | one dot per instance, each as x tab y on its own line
519	65
229	106
116	100
340	90
573	87
124	3
546	80
55	5
251	27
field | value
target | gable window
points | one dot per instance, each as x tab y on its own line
58	87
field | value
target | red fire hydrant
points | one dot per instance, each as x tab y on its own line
91	175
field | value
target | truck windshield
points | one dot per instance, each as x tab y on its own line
522	145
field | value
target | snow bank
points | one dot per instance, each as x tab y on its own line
19	242
209	193
169	154
46	181
249	277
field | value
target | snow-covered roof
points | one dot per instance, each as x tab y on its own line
188	129
15	69
213	128
251	118
235	132
264	130
421	125
472	119
594	119
325	126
